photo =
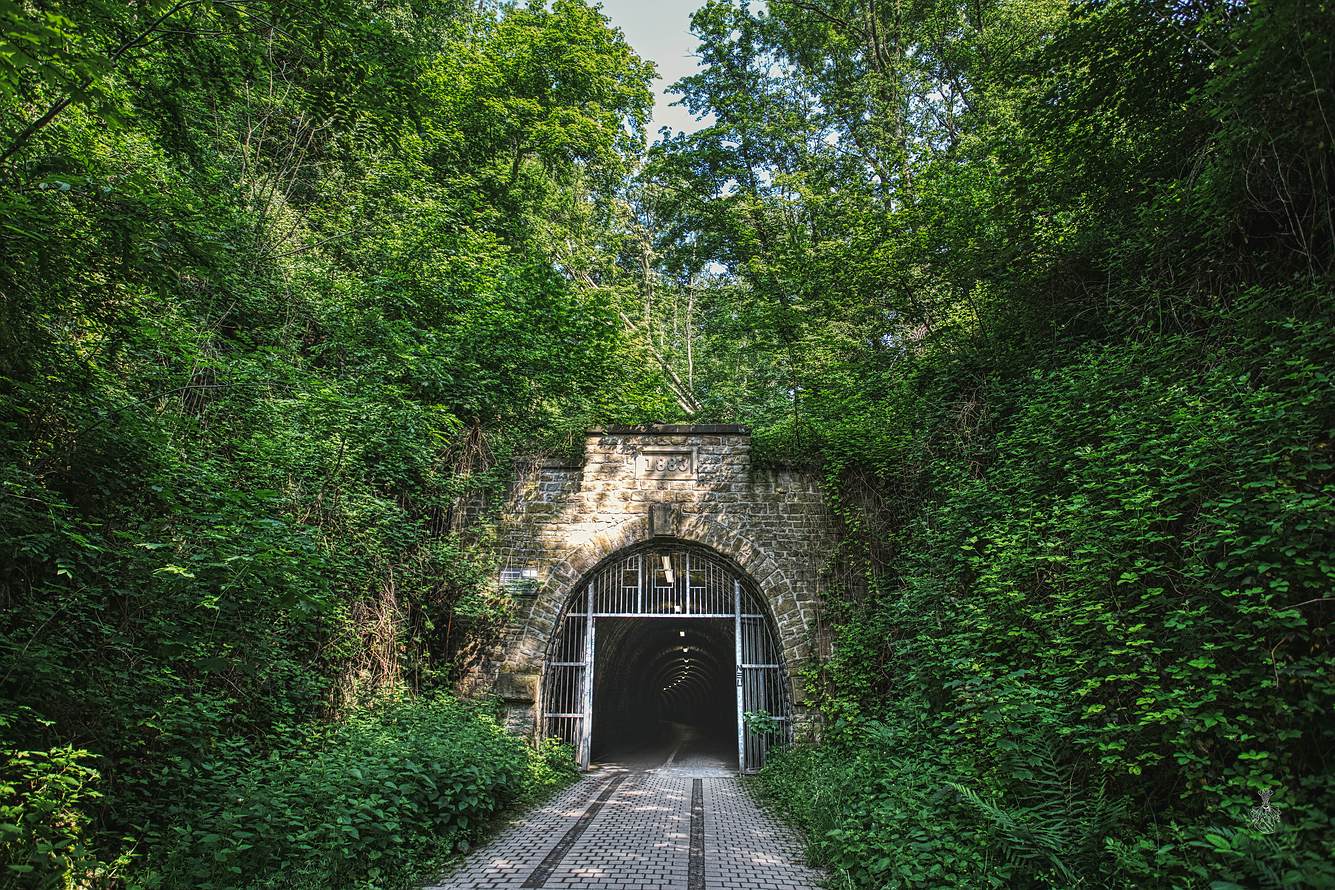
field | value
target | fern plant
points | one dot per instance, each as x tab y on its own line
1055	830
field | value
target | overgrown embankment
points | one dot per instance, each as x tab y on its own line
383	798
1098	629
1046	289
278	302
378	799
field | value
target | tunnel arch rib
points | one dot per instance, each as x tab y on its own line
661	629
793	623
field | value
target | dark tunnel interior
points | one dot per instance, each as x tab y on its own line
661	684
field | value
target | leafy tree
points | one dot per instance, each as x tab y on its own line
1042	291
277	313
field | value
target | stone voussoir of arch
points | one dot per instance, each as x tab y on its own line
566	575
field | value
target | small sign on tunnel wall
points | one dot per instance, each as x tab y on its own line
665	464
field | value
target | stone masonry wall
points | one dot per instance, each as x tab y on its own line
693	483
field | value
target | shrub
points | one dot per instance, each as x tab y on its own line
381	796
551	766
45	796
876	818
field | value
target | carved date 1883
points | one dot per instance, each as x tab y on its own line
665	465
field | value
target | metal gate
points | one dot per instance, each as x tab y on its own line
762	702
667	581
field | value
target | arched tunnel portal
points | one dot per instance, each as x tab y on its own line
665	647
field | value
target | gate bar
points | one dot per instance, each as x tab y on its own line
737	649
586	703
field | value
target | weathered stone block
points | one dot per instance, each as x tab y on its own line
517	687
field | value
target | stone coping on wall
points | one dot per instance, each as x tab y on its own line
672	429
548	463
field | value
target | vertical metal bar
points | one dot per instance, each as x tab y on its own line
586	704
678	576
686	593
737	647
762	694
712	588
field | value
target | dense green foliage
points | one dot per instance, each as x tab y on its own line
1044	290
1110	606
277	309
381	794
379	798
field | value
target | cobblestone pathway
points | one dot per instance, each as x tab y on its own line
688	825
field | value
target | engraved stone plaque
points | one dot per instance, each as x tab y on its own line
665	464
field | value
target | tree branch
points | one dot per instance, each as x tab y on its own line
65	101
685	398
829	17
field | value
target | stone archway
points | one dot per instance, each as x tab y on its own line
794	624
666	643
634	486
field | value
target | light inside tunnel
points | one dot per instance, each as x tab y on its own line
664	643
660	682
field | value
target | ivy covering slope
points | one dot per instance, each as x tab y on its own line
278	306
1102	639
1045	292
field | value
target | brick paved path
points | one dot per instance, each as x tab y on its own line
633	828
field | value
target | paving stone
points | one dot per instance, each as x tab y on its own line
640	837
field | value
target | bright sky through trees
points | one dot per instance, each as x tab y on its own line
661	32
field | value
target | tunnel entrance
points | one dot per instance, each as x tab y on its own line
663	687
666	648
